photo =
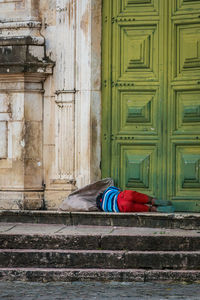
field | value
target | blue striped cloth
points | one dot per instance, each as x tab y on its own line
109	200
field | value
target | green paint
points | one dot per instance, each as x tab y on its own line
151	98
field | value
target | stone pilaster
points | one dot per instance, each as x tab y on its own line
88	96
60	175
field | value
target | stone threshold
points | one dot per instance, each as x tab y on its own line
190	221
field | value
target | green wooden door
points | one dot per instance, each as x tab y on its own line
151	98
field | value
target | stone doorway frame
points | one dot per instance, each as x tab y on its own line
74	157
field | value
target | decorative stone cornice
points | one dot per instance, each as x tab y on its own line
25	32
20	24
27	67
22	49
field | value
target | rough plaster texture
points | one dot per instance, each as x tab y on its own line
49	122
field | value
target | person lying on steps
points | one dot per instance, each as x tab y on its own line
114	200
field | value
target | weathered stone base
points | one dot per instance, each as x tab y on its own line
21	200
54	197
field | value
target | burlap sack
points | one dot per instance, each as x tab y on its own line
84	199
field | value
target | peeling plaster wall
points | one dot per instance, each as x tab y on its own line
66	146
88	61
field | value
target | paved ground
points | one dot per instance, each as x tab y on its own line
99	291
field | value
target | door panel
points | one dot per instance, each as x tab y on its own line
136	50
151	98
186	50
186	110
184	6
137	165
133	89
184	103
138	7
136	111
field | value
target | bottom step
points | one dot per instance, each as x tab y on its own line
46	274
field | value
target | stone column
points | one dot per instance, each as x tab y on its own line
23	69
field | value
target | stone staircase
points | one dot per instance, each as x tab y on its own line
52	246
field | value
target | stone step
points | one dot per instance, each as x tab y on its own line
53	252
70	274
150	220
107	242
55	236
109	259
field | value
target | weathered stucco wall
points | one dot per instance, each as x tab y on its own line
50	123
